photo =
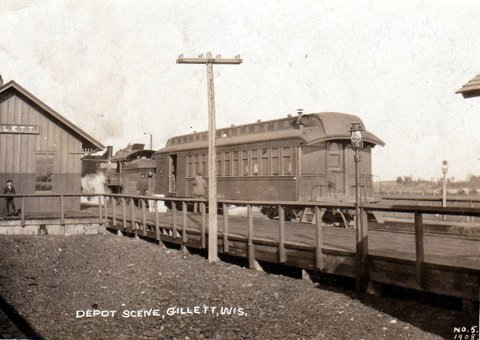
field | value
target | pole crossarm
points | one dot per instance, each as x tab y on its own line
209	59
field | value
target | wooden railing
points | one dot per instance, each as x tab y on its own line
361	247
464	202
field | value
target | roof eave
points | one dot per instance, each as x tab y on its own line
86	137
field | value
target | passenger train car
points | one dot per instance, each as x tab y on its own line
302	158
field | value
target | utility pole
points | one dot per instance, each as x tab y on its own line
209	60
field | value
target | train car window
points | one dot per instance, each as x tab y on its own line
254	162
219	164
227	170
271	126
275	162
190	166
44	172
264	168
196	165
204	165
244	165
334	156
235	164
251	129
286	162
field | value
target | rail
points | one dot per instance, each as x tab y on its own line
107	202
423	200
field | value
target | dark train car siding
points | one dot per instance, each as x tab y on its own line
307	158
47	162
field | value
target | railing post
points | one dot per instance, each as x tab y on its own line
132	210
22	216
144	218
204	225
225	228
361	252
282	256
251	250
319	222
105	214
124	213
157	227
62	210
419	249
114	211
99	209
184	227
174	216
105	210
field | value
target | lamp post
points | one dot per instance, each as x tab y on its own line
444	191
356	138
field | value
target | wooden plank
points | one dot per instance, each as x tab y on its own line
363	249
124	213
282	256
251	250
157	226
62	210
114	211
22	216
419	254
105	209
99	211
225	228
184	227
174	217
144	218
319	236
204	224
132	216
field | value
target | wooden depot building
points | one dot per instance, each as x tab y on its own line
40	150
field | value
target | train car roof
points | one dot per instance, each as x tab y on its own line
132	154
140	164
308	128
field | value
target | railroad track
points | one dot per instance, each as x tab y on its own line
8	329
13	325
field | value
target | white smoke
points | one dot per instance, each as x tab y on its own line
93	184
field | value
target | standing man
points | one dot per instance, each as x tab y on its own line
199	186
9	201
142	188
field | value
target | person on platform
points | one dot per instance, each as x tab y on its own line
142	189
199	186
9	201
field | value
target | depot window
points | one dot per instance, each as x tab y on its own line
44	172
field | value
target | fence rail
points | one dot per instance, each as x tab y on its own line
109	203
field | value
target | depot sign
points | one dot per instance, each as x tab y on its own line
20	129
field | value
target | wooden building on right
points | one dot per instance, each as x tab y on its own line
471	89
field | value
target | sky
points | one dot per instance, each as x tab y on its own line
109	67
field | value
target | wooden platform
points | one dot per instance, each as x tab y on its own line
451	264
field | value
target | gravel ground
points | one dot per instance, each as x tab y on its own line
51	280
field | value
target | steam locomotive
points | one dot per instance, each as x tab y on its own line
131	170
